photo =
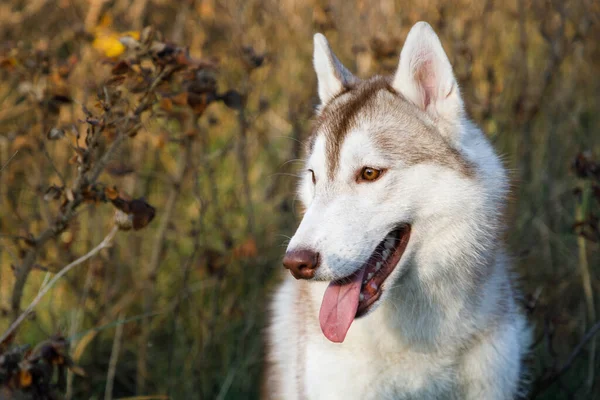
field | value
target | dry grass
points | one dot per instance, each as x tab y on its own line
176	307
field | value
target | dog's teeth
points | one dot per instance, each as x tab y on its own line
378	266
361	297
365	282
374	286
389	244
369	275
385	254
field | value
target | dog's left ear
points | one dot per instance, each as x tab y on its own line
425	76
332	76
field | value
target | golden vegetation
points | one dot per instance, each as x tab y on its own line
181	135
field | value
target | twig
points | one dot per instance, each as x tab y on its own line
547	382
114	358
82	180
104	244
7	162
51	161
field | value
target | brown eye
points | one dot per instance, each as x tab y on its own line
369	174
312	173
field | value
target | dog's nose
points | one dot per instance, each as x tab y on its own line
302	263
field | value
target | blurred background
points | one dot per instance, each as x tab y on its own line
182	123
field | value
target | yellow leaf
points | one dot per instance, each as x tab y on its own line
108	41
109	45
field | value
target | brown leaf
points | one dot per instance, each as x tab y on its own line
120	169
233	99
111	193
53	193
25	378
251	59
246	249
166	104
143	213
75	159
199	102
180	99
147	35
90	194
9	63
161	140
115	80
93	121
121	68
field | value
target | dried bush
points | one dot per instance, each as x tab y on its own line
182	134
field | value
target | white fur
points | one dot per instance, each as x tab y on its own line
446	326
425	77
331	74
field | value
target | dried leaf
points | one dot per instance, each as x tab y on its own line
147	34
247	249
166	104
53	193
199	102
9	63
121	68
119	169
143	213
115	81
93	121
161	140
251	59
55	134
180	99
233	99
25	378
111	193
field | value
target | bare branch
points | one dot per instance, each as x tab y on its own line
9	160
545	383
104	244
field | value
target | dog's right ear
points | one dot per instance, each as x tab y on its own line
332	76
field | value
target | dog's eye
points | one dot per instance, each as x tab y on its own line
369	174
312	173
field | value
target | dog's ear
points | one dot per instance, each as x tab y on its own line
332	76
425	76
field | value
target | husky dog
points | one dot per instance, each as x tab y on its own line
402	286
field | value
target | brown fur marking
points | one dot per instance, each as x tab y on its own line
416	141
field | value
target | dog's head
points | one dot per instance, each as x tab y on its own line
387	170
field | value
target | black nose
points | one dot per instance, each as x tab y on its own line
302	263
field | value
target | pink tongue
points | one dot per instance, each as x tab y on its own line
339	306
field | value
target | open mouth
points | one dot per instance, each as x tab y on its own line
353	296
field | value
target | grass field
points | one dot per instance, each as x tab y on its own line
191	131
